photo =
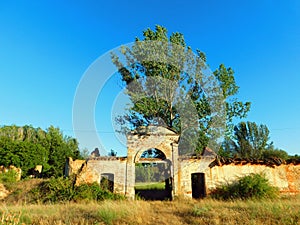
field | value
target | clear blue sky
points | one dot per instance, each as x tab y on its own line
46	46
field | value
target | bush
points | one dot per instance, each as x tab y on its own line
63	190
294	159
8	178
55	190
94	192
253	186
275	153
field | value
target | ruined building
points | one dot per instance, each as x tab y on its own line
190	177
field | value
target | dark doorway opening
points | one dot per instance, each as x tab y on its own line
198	185
107	181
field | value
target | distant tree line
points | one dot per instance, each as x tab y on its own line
26	146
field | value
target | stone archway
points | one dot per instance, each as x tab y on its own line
151	137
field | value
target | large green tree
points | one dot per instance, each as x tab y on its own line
181	69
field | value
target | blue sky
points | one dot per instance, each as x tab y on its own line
46	46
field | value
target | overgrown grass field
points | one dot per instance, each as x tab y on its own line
285	210
250	200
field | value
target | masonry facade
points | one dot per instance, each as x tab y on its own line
190	177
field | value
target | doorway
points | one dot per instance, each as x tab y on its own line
107	181
198	185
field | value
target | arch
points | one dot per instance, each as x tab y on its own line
152	154
156	137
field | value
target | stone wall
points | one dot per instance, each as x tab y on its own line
73	166
122	169
285	177
93	169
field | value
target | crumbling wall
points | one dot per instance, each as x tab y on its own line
188	166
91	170
73	166
285	177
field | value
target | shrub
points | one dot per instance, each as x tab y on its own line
8	178
62	190
55	190
294	159
94	192
275	153
253	186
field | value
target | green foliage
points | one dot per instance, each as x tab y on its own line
200	211
275	153
25	147
147	172
150	186
61	189
147	109
109	216
294	159
94	192
8	179
249	141
55	190
253	186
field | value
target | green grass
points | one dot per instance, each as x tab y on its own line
150	186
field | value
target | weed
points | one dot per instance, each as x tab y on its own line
200	211
108	216
10	218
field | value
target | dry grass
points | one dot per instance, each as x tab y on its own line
181	211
